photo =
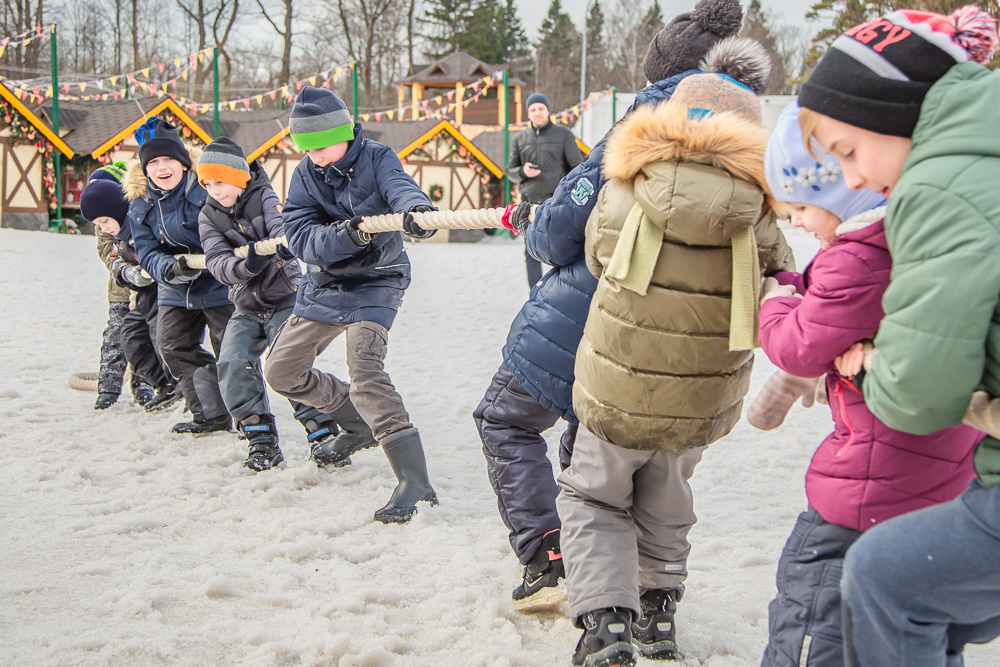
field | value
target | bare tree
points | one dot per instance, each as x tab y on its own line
286	35
20	16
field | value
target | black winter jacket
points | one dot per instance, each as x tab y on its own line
254	217
553	149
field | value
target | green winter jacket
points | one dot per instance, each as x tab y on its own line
655	371
105	246
940	339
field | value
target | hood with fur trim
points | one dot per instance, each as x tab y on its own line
134	184
665	134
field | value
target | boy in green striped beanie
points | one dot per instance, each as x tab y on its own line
354	290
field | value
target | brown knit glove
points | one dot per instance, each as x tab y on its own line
776	397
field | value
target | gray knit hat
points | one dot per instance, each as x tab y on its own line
223	160
683	42
319	119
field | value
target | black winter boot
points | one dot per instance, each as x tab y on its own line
105	401
539	590
262	442
406	457
606	639
202	425
165	397
142	392
354	436
653	633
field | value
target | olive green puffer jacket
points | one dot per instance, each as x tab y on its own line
655	372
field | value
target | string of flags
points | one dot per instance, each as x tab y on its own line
287	92
25	38
572	113
446	102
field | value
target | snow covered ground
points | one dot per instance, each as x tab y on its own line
124	544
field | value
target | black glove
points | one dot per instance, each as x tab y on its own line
521	217
361	238
255	263
283	253
410	226
133	276
180	272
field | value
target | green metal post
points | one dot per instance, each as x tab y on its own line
506	138
354	88
614	104
215	90
56	157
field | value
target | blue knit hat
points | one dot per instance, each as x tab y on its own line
319	119
795	176
103	196
535	98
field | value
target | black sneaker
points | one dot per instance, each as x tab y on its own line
165	397
105	401
143	394
654	633
539	590
606	640
200	426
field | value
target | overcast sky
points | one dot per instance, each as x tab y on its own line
533	11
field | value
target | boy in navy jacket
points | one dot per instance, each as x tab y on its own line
354	287
163	214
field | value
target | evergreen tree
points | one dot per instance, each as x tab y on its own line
651	24
847	14
597	49
446	23
513	39
557	56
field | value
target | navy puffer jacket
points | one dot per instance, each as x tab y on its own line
165	224
346	283
541	346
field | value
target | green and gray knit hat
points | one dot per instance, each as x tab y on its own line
223	160
319	119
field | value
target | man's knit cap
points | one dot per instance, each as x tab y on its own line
683	42
875	76
319	119
223	160
537	98
158	138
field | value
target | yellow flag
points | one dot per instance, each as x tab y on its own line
312	80
390	114
201	57
83	87
164	87
114	81
184	75
260	99
232	106
145	73
177	62
104	97
48	92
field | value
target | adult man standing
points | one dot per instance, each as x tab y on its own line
540	156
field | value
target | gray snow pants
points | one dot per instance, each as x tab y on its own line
289	370
240	377
625	517
804	619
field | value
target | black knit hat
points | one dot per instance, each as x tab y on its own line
683	42
158	138
103	197
875	75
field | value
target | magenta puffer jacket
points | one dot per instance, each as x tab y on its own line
864	472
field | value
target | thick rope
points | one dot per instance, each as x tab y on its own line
87	381
483	218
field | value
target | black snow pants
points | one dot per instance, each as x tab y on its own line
179	334
138	340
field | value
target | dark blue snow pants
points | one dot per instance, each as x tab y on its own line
804	619
510	424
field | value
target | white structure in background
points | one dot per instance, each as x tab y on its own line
599	121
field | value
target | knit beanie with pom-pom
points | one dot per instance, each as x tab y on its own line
875	76
733	72
683	42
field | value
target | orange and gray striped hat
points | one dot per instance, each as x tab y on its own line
223	160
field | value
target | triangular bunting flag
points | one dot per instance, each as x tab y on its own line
246	102
232	105
184	75
192	58
312	80
260	99
326	84
104	97
273	94
298	85
83	86
390	114
145	73
378	116
100	84
161	67
365	117
163	86
284	91
66	88
451	95
177	62
116	96
201	57
48	92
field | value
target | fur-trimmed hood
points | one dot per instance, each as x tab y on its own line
134	184
665	134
